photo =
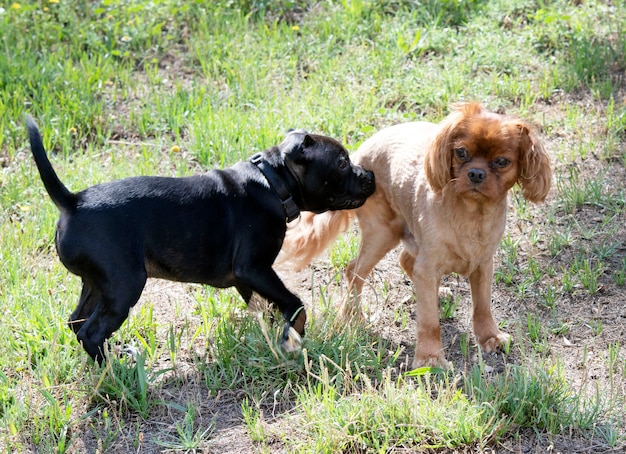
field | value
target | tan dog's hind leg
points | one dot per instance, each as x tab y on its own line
486	329
378	236
374	245
429	350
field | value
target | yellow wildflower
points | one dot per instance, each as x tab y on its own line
175	149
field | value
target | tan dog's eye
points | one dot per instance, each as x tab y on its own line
462	154
501	162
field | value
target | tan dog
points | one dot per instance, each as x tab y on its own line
441	190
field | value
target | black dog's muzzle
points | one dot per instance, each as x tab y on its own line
368	182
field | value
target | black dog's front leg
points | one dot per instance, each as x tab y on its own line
269	286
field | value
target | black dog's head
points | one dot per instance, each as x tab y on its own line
326	177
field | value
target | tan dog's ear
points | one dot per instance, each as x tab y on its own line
438	160
535	173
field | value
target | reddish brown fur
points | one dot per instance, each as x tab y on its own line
425	199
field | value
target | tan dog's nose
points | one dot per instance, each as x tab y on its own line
476	176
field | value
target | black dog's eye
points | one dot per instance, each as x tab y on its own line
462	154
343	163
501	162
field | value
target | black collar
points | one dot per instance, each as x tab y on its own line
278	185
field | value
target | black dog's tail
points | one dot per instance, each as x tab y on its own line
62	197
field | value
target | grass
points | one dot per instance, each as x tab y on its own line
435	411
123	88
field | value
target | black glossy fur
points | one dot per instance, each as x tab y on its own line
223	228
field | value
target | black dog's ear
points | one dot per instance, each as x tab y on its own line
299	153
308	141
299	130
295	143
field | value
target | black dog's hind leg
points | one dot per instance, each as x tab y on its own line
89	299
116	295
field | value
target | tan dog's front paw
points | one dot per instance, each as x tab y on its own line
435	360
352	312
496	343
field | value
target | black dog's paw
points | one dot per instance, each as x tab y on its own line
131	351
119	351
292	341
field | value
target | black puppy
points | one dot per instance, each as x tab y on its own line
223	228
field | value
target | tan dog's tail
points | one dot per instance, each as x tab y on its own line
310	236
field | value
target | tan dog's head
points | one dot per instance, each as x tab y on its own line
484	154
